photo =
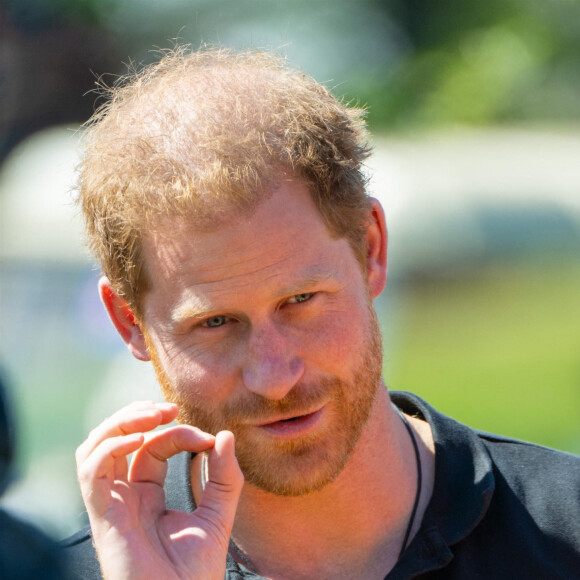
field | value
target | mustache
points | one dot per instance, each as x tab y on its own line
299	401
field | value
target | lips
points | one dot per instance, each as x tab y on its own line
293	426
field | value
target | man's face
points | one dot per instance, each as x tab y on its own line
265	327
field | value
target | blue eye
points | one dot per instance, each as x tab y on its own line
299	298
215	321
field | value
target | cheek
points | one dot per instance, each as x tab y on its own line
194	374
337	340
178	369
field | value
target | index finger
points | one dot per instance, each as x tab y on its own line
138	417
149	463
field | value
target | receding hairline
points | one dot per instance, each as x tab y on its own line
147	158
146	85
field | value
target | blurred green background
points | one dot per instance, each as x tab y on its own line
474	110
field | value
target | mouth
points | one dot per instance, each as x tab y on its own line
293	426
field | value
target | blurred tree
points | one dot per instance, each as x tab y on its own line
474	63
48	52
419	64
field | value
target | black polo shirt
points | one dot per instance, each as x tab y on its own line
501	510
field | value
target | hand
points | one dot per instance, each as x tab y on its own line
135	536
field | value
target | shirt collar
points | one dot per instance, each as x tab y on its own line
464	485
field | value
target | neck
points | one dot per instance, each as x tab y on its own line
355	526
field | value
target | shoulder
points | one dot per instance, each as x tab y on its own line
523	462
27	553
545	480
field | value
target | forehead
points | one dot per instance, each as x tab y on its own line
285	235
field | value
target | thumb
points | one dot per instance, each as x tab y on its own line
219	501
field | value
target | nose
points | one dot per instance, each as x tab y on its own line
272	367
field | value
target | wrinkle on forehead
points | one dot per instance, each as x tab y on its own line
220	280
218	264
218	255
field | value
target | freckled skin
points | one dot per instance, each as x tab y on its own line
267	316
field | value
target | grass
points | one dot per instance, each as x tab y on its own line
498	350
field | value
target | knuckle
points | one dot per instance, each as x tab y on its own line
94	433
215	524
84	474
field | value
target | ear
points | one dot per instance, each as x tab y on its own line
376	250
123	320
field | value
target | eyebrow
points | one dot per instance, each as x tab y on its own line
192	308
196	307
311	280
